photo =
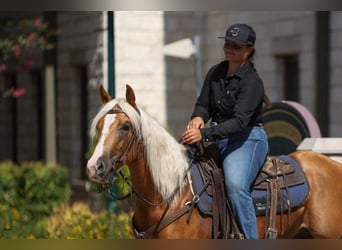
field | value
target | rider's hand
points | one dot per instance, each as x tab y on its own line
196	122
191	136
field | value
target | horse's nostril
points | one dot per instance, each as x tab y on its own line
100	166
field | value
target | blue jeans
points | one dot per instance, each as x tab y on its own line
243	156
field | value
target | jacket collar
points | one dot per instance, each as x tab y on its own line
240	73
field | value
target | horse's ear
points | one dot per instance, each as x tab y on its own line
105	97
130	97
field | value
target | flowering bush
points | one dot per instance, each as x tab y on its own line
18	37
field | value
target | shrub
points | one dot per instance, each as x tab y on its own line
34	204
78	222
9	176
28	194
44	186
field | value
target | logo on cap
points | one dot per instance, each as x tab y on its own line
235	31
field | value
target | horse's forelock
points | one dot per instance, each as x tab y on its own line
124	105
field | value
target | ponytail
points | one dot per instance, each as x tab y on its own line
250	59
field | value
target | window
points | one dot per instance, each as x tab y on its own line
290	77
21	120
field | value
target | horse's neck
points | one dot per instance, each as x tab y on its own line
143	183
148	180
149	211
145	214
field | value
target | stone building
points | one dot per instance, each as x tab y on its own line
298	57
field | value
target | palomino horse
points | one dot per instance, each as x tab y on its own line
159	167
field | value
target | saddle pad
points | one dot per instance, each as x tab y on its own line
297	193
205	199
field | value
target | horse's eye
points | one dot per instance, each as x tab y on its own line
124	127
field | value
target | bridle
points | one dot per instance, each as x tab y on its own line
165	220
122	160
117	164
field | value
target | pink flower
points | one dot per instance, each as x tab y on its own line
27	65
3	67
17	92
31	37
16	50
37	22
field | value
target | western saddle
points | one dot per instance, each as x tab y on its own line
275	175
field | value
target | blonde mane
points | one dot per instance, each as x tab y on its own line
166	158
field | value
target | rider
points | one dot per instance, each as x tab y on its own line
232	97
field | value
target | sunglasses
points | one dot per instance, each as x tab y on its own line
232	45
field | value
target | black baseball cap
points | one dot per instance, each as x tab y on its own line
241	34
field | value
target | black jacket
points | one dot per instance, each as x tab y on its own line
234	102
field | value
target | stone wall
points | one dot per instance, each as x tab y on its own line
139	60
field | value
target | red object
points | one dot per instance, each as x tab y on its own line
17	92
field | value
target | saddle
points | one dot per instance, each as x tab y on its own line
280	186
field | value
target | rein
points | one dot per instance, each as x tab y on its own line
165	219
140	196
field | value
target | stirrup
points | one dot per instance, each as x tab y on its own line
271	233
238	236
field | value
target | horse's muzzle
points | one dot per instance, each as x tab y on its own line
100	171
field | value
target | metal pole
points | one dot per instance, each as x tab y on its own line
322	98
111	66
50	101
198	65
112	204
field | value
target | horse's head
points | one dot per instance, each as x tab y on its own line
114	135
